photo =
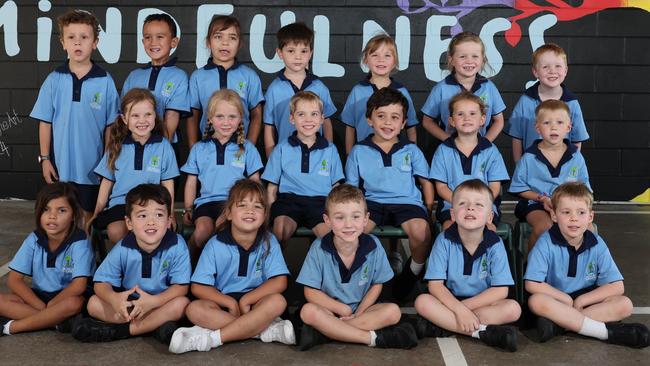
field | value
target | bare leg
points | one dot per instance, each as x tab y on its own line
203	229
540	221
419	234
331	326
50	316
116	231
283	228
321	230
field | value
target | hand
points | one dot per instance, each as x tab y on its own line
349	317
244	305
120	304
566	299
346	311
144	304
233	307
40	305
579	303
466	320
49	173
548	206
187	217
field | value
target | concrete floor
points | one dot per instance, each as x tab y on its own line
625	228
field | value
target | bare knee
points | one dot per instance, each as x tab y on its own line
310	313
276	302
422	302
512	310
393	313
72	305
624	307
177	306
538	303
193	309
202	231
94	306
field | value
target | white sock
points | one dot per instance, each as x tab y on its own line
215	338
593	328
5	329
416	268
373	338
481	328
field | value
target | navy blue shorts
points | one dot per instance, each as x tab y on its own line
523	209
45	296
394	214
209	209
304	210
87	194
574	295
108	216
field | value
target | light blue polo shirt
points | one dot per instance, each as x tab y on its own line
53	271
152	162
535	173
79	111
126	265
324	269
521	124
467	275
278	95
452	167
168	84
387	178
354	111
229	268
437	103
306	171
218	167
559	264
212	77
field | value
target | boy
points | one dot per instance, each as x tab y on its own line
343	275
75	104
469	276
140	287
301	171
546	164
573	280
466	155
294	49
550	67
386	166
167	82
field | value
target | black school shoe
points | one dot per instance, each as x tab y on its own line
547	329
631	334
67	325
310	337
403	283
424	328
501	336
401	335
164	332
92	330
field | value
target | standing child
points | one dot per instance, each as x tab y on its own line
140	287
343	275
469	276
550	67
58	258
380	56
546	164
167	82
136	153
224	71
76	103
218	161
295	43
466	155
573	280
465	59
301	171
386	167
239	280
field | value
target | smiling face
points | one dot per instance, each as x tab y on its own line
346	220
57	217
307	118
573	217
223	46
381	61
140	118
467	117
149	223
78	40
551	69
467	59
225	120
553	125
247	215
295	56
387	121
471	209
158	41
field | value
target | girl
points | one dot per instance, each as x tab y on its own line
465	59
220	159
239	280
136	153
223	71
380	56
59	259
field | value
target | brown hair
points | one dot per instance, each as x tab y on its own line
552	105
143	193
120	129
469	96
162	17
344	193
375	43
231	97
577	190
304	96
475	185
219	23
298	33
387	96
54	191
78	17
462	38
549	47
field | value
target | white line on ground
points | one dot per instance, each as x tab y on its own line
641	310
622	212
4	269
451	352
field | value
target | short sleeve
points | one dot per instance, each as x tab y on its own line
383	272
583	176
438	169
311	273
273	169
83	259
538	261
274	264
578	128
23	260
352	167
194	91
44	107
180	98
169	167
253	160
255	95
103	170
608	272
191	165
519	181
497	170
181	269
128	84
438	260
500	274
411	115
112	102
337	170
110	270
497	104
419	163
328	105
517	122
269	106
430	107
205	272
348	113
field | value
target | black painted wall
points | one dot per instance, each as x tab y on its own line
609	57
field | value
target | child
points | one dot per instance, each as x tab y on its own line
573	280
545	165
218	161
466	155
239	280
343	275
550	67
469	276
140	287
58	258
380	56
161	76
386	166
295	49
136	153
76	103
465	59
301	171
224	71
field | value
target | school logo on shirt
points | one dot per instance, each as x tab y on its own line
364	275
484	98
406	163
96	102
258	268
573	174
483	272
167	89
590	273
483	167
154	164
68	264
324	168
238	161
164	267
241	88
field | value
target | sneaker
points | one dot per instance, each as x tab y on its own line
396	262
546	329
403	283
631	334
92	330
310	337
190	339
501	336
3	321
424	328
164	332
67	325
279	331
401	335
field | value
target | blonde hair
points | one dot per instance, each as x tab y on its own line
232	98
551	105
475	185
462	38
577	190
344	193
549	47
469	96
375	43
304	96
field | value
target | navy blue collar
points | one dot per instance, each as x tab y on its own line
393	84
232	139
588	239
95	71
554	171
43	241
170	239
153	139
386	157
533	92
490	238
309	78
225	236
366	245
466	161
321	142
211	65
171	62
480	79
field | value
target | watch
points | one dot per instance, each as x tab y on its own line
42	158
